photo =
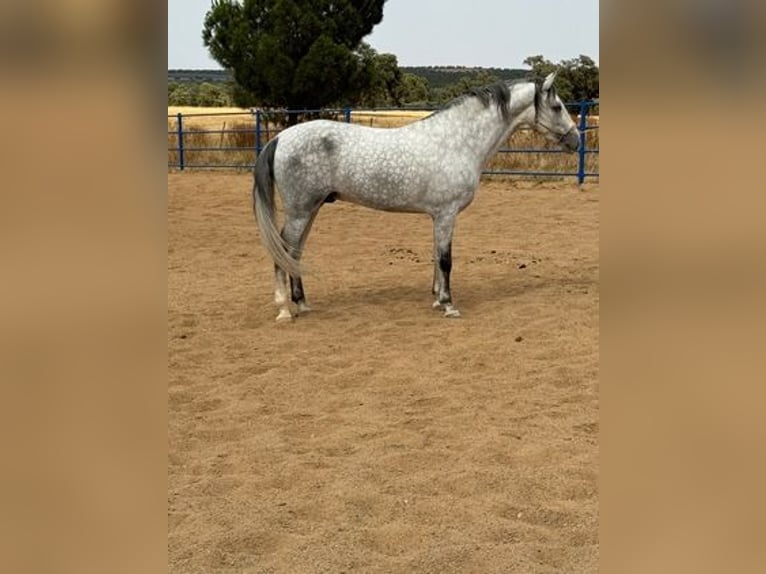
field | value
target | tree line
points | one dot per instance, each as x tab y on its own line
310	54
577	79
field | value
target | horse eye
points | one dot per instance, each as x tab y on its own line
556	108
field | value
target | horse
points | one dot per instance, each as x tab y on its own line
430	166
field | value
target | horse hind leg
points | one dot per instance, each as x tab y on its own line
294	233
298	295
281	297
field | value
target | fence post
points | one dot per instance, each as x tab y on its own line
584	106
258	142
180	126
347	114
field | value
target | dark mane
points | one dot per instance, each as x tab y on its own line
538	96
498	94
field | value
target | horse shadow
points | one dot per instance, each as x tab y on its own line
469	294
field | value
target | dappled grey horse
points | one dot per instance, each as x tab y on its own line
429	166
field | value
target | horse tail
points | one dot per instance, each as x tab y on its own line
263	205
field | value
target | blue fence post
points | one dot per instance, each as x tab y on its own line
180	126
258	142
347	114
584	105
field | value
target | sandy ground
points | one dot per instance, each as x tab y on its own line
373	435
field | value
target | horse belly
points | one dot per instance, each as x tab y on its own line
387	181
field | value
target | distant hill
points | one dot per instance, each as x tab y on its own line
436	76
442	76
198	76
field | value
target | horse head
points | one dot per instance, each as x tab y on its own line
552	118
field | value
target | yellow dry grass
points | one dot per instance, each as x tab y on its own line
387	118
173	110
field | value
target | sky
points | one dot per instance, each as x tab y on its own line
485	33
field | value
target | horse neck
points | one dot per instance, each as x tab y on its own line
483	128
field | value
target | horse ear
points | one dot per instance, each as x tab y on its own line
548	83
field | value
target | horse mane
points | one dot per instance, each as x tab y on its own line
497	94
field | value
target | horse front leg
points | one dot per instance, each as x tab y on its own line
443	228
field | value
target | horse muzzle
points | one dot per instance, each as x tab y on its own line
570	141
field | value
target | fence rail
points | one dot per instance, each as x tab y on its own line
192	144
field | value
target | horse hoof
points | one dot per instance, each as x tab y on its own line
452	313
436	305
304	308
284	316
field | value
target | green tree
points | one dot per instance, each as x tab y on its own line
211	95
292	53
172	87
576	79
182	95
379	79
414	89
583	75
540	66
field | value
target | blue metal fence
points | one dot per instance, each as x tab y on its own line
180	153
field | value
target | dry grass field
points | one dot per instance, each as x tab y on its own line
238	131
373	435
